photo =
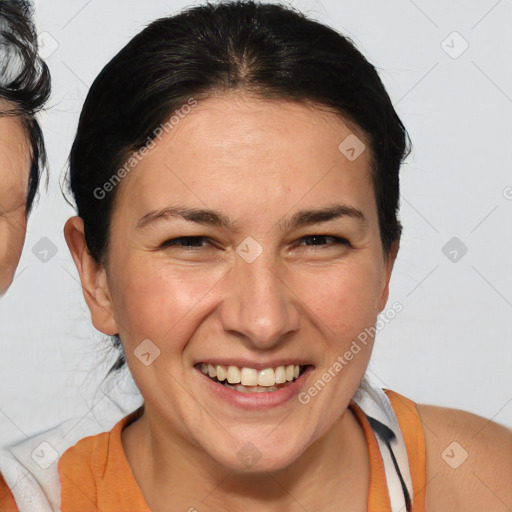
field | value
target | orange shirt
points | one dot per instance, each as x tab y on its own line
7	503
95	475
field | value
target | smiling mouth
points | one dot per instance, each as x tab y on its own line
250	380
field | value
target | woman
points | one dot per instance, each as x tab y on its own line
24	88
235	171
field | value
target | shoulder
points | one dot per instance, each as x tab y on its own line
468	461
36	469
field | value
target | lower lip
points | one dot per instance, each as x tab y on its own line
252	401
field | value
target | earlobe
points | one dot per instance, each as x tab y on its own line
92	277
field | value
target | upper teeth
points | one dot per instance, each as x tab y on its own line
251	376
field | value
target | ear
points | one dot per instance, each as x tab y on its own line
389	261
92	276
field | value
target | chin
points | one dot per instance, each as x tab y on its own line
259	455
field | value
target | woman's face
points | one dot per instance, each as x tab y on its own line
272	288
15	159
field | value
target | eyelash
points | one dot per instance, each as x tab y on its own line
190	248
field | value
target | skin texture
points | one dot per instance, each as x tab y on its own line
258	162
15	159
482	480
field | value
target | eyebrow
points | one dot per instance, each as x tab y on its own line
214	218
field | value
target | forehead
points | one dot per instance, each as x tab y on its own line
13	134
15	160
243	149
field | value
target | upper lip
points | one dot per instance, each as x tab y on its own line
246	363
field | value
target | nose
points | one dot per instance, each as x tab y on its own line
258	304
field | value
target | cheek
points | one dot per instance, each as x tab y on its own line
12	237
162	302
343	298
157	301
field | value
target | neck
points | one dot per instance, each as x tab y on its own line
332	474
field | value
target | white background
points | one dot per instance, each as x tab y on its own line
451	345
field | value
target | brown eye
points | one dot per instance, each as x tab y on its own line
187	242
317	239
